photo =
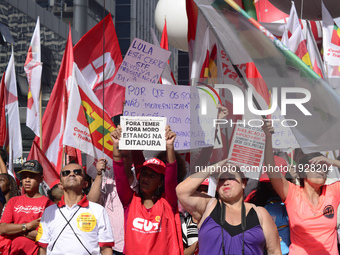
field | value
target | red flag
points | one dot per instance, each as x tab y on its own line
164	39
336	35
3	122
50	174
85	127
90	63
192	12
167	75
53	121
255	78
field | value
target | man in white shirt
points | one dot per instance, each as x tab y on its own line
74	225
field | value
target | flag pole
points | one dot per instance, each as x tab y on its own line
40	118
103	76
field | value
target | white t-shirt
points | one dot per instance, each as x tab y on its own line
88	221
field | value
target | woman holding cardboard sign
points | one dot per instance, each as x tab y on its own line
151	218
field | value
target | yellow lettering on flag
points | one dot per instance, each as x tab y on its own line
96	128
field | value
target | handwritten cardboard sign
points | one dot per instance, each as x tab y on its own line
181	106
143	62
283	137
246	150
142	133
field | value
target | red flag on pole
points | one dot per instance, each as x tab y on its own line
167	75
54	118
50	174
164	39
90	63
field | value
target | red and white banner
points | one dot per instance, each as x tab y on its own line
33	69
55	114
294	39
84	123
88	55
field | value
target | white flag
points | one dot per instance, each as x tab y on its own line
12	112
33	69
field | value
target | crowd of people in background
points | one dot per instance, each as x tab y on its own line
154	206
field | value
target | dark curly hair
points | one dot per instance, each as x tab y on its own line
12	184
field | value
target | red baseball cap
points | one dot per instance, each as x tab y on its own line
280	162
155	164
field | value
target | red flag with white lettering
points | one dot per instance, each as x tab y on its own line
88	55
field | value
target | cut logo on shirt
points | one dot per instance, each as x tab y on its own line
328	211
145	226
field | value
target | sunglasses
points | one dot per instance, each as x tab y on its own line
68	172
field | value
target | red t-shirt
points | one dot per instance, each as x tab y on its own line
23	209
154	231
313	229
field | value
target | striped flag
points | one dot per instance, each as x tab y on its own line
33	69
12	113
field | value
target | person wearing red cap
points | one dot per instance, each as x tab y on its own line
152	221
312	206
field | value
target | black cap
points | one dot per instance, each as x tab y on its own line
32	166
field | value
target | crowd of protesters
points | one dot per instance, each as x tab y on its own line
147	206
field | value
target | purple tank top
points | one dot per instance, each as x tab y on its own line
210	236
